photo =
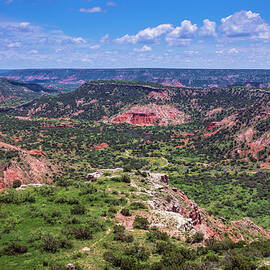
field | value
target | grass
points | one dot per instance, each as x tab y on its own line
46	205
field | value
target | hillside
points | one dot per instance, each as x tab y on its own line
205	78
23	167
238	116
142	176
127	221
13	93
96	100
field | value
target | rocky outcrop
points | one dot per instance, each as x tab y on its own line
173	212
94	176
162	95
151	114
29	167
249	227
195	215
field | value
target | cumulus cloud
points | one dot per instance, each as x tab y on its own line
208	29
174	36
91	10
148	35
182	35
245	24
23	27
26	36
145	48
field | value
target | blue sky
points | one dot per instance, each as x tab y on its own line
128	33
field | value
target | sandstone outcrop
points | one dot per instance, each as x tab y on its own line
151	114
29	167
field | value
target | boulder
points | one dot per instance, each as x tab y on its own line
92	177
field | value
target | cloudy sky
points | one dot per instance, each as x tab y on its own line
134	33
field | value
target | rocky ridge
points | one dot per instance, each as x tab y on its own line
29	167
171	211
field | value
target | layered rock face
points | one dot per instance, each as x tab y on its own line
27	167
136	118
151	115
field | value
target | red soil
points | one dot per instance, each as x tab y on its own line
35	152
100	146
127	222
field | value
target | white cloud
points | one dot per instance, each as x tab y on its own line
208	29
34	51
23	36
111	4
105	38
94	47
148	35
191	52
220	52
22	27
91	10
245	24
182	35
79	40
14	45
233	51
145	48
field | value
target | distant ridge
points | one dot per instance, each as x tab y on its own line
205	78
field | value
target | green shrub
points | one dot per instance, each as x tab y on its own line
52	217
51	243
237	261
120	234
96	224
127	168
72	220
111	258
14	248
78	210
88	189
138	252
141	223
82	233
125	212
46	191
125	178
155	234
10	223
196	238
137	206
16	184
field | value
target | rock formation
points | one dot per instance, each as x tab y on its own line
151	114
